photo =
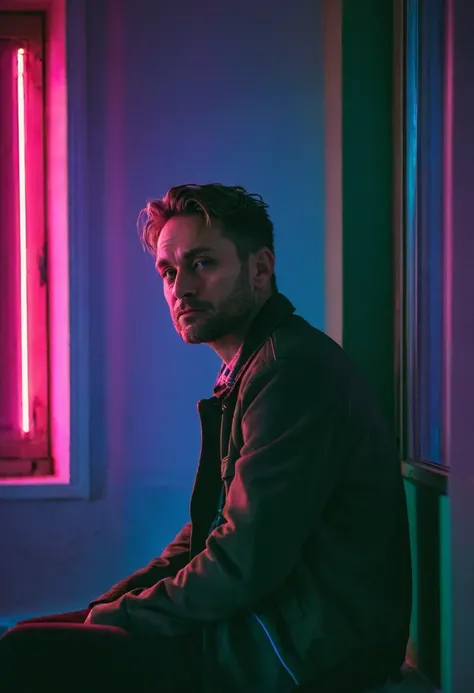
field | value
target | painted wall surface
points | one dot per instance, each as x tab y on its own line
176	92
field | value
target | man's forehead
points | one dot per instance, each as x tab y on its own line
182	236
182	228
187	230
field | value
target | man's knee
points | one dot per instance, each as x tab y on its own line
18	632
39	637
67	617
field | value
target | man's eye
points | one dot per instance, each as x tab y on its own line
202	263
168	274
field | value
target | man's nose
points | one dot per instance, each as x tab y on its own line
184	285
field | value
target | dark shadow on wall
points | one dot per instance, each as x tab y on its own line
428	583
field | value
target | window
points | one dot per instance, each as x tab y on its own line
24	395
421	280
44	398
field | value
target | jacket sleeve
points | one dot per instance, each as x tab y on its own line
173	558
283	478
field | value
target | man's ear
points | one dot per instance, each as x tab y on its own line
263	265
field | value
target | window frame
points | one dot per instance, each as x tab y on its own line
19	450
416	469
68	253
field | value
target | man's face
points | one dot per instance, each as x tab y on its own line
208	289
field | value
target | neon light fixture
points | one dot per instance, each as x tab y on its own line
25	394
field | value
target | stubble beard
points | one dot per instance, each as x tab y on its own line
229	317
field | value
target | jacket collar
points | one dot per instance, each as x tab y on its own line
270	316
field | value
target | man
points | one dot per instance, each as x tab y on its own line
294	570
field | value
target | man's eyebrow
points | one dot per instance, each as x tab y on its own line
188	255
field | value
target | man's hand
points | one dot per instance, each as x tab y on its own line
111	614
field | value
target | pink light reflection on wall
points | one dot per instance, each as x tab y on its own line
25	385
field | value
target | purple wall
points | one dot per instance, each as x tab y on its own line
460	381
230	92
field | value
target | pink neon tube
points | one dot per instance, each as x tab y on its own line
25	394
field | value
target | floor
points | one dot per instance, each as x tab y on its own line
413	682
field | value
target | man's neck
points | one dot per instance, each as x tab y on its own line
227	348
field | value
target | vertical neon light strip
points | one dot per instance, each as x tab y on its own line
25	394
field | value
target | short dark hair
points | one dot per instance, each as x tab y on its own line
242	215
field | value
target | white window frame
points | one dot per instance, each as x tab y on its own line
69	334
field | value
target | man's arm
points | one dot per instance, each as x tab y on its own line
283	479
173	558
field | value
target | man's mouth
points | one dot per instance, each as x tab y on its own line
191	311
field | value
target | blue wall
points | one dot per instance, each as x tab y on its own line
229	92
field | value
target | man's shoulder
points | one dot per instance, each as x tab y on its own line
296	339
296	346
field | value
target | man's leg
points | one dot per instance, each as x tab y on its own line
68	617
59	658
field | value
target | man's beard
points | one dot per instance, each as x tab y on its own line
230	316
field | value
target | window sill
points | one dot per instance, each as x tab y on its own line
427	474
34	480
41	488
